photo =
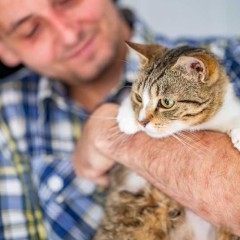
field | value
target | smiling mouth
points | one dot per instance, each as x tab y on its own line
83	48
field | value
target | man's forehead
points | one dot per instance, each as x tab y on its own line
12	11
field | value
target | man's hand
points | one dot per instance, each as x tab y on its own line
88	158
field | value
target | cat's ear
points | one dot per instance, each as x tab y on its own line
192	65
201	64
211	64
146	51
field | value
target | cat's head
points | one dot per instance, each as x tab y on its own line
176	88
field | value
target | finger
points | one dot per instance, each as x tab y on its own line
103	181
94	167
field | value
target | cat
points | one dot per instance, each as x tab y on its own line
178	89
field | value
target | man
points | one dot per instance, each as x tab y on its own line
80	44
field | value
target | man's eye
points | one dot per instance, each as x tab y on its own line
61	2
67	3
32	32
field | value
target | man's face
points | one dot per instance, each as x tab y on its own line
75	40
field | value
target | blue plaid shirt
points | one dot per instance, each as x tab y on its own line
40	196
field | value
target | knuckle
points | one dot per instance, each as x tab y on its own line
90	173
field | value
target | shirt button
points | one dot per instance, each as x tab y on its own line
85	186
55	183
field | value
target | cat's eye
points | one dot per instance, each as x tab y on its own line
138	98
166	103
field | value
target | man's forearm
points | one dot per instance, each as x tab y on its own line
204	176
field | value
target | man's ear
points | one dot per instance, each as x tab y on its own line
7	56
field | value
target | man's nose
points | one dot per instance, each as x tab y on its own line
67	33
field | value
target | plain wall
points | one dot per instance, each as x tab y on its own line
189	17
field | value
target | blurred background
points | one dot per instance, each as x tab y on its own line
178	18
183	18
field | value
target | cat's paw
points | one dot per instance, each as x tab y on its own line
235	136
126	118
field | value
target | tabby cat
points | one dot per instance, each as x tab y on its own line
178	89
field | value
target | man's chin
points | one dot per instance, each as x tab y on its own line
95	74
75	78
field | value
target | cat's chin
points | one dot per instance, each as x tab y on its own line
151	131
156	134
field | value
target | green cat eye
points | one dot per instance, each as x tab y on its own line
166	103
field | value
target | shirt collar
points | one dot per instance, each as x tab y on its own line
49	88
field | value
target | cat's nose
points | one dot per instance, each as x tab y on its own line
144	122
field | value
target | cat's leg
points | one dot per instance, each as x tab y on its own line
235	136
126	117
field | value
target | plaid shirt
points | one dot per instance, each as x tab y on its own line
40	196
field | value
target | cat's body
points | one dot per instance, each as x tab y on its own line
179	89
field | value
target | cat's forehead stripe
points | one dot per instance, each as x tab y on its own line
154	83
142	83
145	101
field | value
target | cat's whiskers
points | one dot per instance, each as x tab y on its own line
178	138
193	145
187	142
195	141
118	137
187	137
193	133
189	146
102	118
115	132
121	138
